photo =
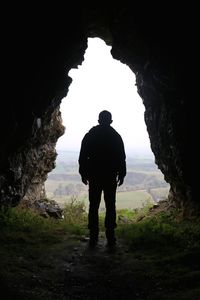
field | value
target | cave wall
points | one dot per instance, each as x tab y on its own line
158	47
40	51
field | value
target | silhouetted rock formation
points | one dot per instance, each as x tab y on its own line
156	43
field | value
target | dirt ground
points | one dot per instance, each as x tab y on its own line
71	270
101	273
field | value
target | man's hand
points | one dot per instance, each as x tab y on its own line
120	180
84	180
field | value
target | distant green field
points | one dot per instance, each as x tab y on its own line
143	182
160	193
129	200
133	199
51	186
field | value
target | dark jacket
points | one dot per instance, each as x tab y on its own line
102	153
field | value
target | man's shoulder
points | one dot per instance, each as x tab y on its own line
91	132
115	132
100	130
96	127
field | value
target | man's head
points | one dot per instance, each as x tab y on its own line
105	118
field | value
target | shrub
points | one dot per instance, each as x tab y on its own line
75	211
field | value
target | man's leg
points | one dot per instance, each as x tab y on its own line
110	219
93	217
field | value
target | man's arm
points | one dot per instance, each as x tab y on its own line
122	163
83	160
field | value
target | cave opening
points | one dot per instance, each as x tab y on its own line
102	82
155	50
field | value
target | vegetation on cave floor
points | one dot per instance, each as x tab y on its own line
157	257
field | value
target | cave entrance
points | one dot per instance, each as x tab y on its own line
104	83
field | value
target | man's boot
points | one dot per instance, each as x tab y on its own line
94	234
111	239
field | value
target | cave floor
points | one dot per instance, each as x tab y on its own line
69	270
103	273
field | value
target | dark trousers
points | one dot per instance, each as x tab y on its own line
96	186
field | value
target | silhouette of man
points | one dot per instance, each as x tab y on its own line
102	165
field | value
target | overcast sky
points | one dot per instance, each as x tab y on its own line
103	83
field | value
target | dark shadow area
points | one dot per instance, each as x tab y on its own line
156	257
